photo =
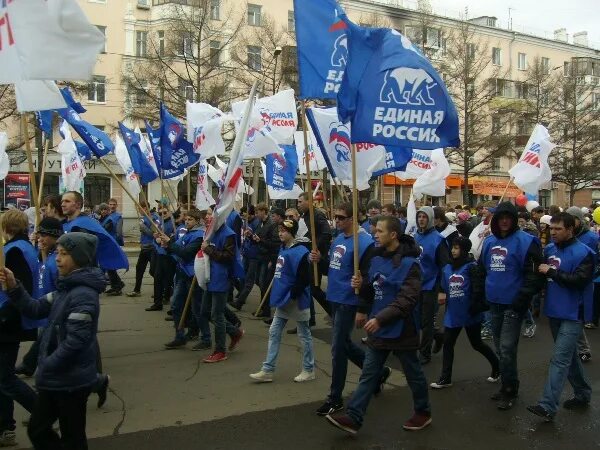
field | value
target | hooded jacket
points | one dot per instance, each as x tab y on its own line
533	281
442	255
403	306
68	347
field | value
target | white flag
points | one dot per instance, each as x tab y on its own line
4	160
71	165
204	124
281	194
47	40
204	198
418	164
433	181
316	161
411	217
146	149
477	236
216	175
125	163
37	95
533	169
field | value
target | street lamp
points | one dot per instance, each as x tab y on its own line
276	54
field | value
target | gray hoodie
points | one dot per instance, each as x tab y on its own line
430	223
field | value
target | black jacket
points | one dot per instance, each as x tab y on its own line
322	230
269	244
580	278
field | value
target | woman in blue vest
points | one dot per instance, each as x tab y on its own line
463	284
290	296
392	292
164	270
569	270
21	258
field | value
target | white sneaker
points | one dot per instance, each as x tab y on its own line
8	439
305	376
262	376
493	378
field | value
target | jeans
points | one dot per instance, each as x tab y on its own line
251	270
115	280
12	388
565	365
201	320
163	279
429	300
275	332
180	293
486	324
371	377
583	345
342	348
69	407
506	330
213	306
140	267
474	335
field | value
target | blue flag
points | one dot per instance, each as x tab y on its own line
322	47
392	94
70	101
83	150
43	120
97	141
176	152
141	166
282	168
154	135
110	255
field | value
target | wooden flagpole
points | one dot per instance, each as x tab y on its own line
188	300
43	170
355	214
32	180
311	211
510	180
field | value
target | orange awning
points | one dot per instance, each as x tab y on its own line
453	181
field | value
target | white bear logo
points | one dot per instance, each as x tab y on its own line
406	86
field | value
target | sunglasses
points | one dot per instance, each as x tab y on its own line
340	218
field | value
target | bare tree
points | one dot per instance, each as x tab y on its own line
473	87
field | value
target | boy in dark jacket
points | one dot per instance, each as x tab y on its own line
66	371
392	291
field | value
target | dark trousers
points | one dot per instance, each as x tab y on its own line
506	330
318	294
69	407
251	269
115	280
474	335
164	272
11	387
144	259
266	272
428	302
30	360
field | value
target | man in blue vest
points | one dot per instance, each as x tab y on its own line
225	264
118	219
110	221
392	293
509	261
146	255
164	270
569	269
434	257
250	256
344	302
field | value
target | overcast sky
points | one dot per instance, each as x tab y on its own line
535	15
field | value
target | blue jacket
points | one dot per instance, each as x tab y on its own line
68	346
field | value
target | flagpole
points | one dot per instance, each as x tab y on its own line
34	189
311	211
505	189
43	169
189	188
355	214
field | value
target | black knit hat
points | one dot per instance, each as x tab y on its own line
50	226
81	246
290	225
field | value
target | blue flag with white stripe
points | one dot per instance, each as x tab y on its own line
140	163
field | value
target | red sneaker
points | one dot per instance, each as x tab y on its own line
236	340
417	422
343	422
215	357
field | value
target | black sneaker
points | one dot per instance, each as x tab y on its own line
506	402
175	343
103	391
441	384
329	408
154	308
115	293
387	371
541	412
575	403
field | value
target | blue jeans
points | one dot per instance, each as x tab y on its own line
180	292
213	306
342	348
565	365
371	376
275	332
12	388
506	330
201	320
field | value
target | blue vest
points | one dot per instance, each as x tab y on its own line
116	231
563	302
181	231
503	260
30	255
168	229
285	277
590	239
187	239
457	285
429	243
387	281
147	240
366	225
249	247
341	267
220	274
48	275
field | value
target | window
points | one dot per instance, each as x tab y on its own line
215	9
444	46
291	21
504	88
497	56
523	128
161	43
522	90
140	95
186	89
496	164
97	89
567	69
596	100
143	4
522	61
434	37
254	59
141	43
102	29
471	51
254	15
215	53
544	98
545	66
496	126
186	45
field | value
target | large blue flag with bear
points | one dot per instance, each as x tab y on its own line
392	95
